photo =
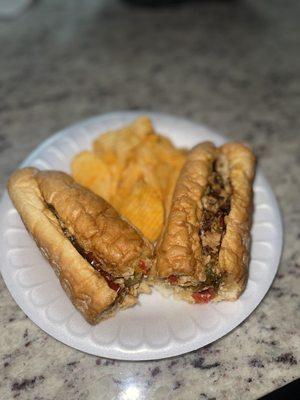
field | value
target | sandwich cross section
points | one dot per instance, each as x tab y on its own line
99	257
203	252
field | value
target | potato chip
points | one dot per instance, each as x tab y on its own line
131	174
121	142
93	173
159	160
136	170
144	209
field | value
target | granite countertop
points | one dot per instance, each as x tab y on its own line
233	65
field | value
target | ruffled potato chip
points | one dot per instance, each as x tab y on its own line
144	208
136	170
123	141
131	174
95	174
159	161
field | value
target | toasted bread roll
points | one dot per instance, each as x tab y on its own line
99	257
203	252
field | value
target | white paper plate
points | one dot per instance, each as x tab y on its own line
159	327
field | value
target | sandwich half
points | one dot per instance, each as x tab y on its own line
99	257
203	252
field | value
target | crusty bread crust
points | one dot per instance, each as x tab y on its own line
179	249
96	225
87	289
99	229
234	253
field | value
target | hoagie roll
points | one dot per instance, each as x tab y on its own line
99	257
203	252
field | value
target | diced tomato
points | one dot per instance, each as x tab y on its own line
173	279
96	264
113	285
90	258
205	296
109	281
143	266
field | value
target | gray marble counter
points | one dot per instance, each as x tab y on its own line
231	65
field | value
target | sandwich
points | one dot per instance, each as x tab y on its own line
203	252
99	257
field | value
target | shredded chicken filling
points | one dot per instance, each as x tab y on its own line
216	206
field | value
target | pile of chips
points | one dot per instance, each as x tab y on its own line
134	169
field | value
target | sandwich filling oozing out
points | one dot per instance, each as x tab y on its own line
121	285
215	208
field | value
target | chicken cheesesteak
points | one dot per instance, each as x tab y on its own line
99	257
203	252
198	204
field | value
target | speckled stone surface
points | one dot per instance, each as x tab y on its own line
231	65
